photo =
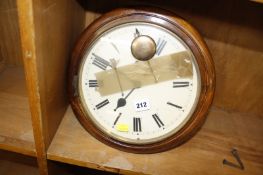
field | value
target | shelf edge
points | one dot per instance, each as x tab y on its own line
90	165
18	146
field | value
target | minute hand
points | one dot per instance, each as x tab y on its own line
129	94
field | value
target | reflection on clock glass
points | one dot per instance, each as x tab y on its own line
139	102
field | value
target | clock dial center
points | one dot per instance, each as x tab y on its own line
143	48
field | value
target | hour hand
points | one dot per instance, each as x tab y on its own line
121	102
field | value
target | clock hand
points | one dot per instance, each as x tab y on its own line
115	47
137	33
114	65
151	69
129	93
122	101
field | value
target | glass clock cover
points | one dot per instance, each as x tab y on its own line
141	80
139	101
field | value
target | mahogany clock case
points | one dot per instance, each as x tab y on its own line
176	25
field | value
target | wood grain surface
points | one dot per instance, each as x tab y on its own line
203	154
28	43
17	164
10	49
57	23
259	1
16	133
47	31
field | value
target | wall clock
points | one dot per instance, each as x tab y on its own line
141	80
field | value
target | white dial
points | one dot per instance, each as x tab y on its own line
138	115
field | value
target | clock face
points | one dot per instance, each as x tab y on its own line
147	112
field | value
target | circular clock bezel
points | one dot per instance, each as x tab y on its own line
174	24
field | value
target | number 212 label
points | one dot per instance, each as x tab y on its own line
142	105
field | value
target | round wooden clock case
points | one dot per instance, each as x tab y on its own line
157	20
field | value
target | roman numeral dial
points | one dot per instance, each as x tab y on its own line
102	104
157	120
137	127
160	46
174	105
100	62
93	83
117	118
180	84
